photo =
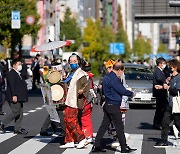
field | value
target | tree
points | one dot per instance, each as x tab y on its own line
121	35
98	38
162	48
141	47
70	30
13	37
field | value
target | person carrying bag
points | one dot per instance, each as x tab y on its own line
171	113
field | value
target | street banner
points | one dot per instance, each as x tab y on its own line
15	20
48	102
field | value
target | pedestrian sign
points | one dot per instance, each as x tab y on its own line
117	48
15	20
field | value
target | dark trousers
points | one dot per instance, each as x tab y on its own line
16	115
47	122
1	100
111	113
36	77
167	119
161	103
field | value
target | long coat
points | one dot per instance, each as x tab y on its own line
16	86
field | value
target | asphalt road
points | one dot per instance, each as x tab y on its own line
138	125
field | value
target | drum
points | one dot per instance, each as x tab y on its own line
57	92
54	77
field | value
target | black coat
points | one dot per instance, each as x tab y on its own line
16	86
159	78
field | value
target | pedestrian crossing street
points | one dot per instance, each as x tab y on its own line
37	143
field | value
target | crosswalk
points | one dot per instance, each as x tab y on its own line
37	143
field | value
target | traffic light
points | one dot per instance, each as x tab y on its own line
174	3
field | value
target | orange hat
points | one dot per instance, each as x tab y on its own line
46	70
110	63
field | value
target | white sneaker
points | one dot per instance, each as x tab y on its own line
115	144
82	144
176	132
67	145
127	136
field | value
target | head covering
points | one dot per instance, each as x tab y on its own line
46	70
110	63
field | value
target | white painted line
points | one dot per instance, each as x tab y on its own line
31	111
39	108
24	114
134	142
174	145
6	136
85	150
33	145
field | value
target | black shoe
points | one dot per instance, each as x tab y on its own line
21	131
161	145
2	113
44	133
2	128
157	127
127	150
97	149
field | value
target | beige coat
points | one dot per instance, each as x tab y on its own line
78	81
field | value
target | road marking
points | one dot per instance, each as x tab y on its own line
25	114
6	136
33	145
39	108
85	150
174	145
31	111
135	142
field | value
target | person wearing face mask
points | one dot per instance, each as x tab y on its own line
159	79
16	94
173	88
75	100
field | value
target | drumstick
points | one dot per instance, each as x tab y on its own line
84	86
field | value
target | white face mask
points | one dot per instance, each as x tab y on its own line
163	66
19	68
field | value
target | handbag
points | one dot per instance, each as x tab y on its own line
176	104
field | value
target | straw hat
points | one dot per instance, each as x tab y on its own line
110	63
57	92
54	77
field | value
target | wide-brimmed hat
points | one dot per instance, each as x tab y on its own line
110	63
57	92
54	77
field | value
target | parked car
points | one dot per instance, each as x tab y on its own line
139	78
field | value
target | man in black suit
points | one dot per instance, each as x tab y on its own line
16	94
159	79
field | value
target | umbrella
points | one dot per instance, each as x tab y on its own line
51	45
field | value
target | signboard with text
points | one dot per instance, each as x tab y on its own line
117	48
15	20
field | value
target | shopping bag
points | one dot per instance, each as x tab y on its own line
176	104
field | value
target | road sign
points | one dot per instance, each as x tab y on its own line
30	20
117	48
15	20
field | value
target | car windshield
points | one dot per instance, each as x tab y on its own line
138	74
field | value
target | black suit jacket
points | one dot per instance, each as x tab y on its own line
16	86
159	78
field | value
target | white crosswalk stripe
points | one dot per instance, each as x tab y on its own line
34	145
6	136
37	143
174	145
135	142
